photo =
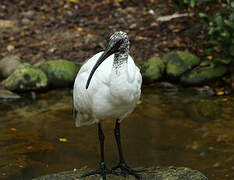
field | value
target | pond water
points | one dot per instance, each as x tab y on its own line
38	137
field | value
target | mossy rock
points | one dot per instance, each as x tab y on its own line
26	78
60	73
202	75
154	173
152	70
179	62
6	94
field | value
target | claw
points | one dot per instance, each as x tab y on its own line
103	171
126	170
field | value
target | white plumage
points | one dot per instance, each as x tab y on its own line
111	94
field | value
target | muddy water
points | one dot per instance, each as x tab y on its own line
182	128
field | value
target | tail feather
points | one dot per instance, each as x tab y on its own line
84	120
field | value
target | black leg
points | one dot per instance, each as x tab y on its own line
101	140
122	165
117	138
103	171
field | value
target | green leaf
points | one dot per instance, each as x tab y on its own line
225	34
214	42
193	3
211	31
211	23
231	50
231	17
203	15
224	61
219	20
206	63
232	4
229	23
193	28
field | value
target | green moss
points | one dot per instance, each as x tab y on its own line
60	73
153	69
179	63
189	59
26	77
175	69
202	75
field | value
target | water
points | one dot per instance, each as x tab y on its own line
182	128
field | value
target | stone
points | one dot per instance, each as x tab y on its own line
205	90
203	75
26	78
60	73
5	24
179	62
154	173
7	95
28	14
8	64
25	21
152	70
168	87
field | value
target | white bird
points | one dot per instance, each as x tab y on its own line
108	86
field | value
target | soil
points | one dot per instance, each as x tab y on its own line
77	29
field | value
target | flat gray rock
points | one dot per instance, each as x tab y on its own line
153	173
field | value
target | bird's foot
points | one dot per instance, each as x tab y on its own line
103	171
127	170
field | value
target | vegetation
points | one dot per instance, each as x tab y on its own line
218	23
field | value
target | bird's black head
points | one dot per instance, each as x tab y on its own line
118	43
119	40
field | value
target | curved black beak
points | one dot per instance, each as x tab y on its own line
109	51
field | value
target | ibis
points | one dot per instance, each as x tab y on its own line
108	86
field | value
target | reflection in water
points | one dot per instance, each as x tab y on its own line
167	128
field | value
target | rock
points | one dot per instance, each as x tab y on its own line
10	48
26	78
60	73
25	21
5	94
203	75
8	65
28	14
205	90
154	173
5	24
179	63
168	87
152	70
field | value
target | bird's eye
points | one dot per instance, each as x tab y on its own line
116	46
118	43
